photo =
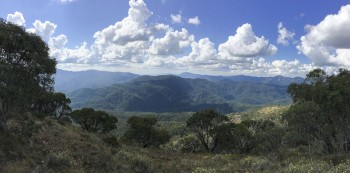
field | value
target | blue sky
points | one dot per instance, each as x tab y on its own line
225	37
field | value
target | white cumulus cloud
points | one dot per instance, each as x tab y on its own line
172	43
284	35
16	18
203	53
328	42
44	29
194	21
176	18
135	43
246	44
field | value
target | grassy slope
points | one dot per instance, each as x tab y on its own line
64	148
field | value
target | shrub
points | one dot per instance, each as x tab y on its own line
256	164
59	160
94	121
111	140
141	130
308	166
342	167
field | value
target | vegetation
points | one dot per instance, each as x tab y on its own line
53	104
94	121
142	130
25	70
204	125
321	110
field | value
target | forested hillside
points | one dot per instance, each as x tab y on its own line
176	94
66	81
277	80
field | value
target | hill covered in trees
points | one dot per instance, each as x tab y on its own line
276	80
175	94
66	81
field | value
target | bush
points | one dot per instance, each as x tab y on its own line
111	140
94	121
59	160
141	130
308	166
256	164
185	144
342	167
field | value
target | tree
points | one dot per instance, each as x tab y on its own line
141	129
94	121
234	137
52	104
321	109
202	124
25	69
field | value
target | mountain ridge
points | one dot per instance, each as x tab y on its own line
68	81
169	93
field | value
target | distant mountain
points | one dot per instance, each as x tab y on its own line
175	94
66	81
277	80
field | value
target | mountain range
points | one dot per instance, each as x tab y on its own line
129	92
66	81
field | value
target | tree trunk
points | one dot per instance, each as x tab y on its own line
214	145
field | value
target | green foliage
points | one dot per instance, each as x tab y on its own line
342	167
185	144
203	124
94	121
234	138
321	110
256	163
142	130
308	166
25	69
53	104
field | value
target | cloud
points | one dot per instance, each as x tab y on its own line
172	43
284	35
134	43
16	18
176	18
194	21
246	44
327	43
44	29
66	1
203	53
58	50
127	41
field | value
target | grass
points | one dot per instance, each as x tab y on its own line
60	147
272	113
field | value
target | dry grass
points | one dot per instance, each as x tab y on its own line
64	148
